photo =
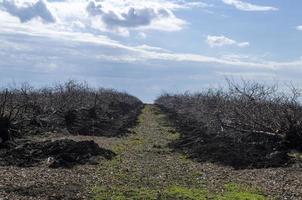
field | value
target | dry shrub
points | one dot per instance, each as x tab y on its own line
246	125
72	107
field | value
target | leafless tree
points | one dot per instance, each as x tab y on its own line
246	115
72	106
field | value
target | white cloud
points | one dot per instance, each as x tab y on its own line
219	41
27	11
175	57
150	15
243	44
73	29
105	49
131	18
142	35
97	17
299	28
245	6
151	48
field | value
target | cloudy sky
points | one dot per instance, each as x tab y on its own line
146	47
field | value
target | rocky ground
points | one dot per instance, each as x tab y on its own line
147	167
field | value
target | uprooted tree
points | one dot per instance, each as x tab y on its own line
71	107
12	107
245	125
263	110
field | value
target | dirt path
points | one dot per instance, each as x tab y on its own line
146	168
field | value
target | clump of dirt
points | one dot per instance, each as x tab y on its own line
60	153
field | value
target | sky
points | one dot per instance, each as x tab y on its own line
147	47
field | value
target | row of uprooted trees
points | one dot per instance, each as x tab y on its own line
71	107
247	125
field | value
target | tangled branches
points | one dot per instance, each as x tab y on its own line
72	107
247	125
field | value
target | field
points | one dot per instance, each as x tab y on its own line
74	142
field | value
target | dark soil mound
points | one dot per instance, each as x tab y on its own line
60	153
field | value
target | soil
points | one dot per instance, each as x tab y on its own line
59	153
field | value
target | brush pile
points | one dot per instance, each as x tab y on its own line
248	125
60	153
70	108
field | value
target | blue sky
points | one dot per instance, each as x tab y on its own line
148	47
